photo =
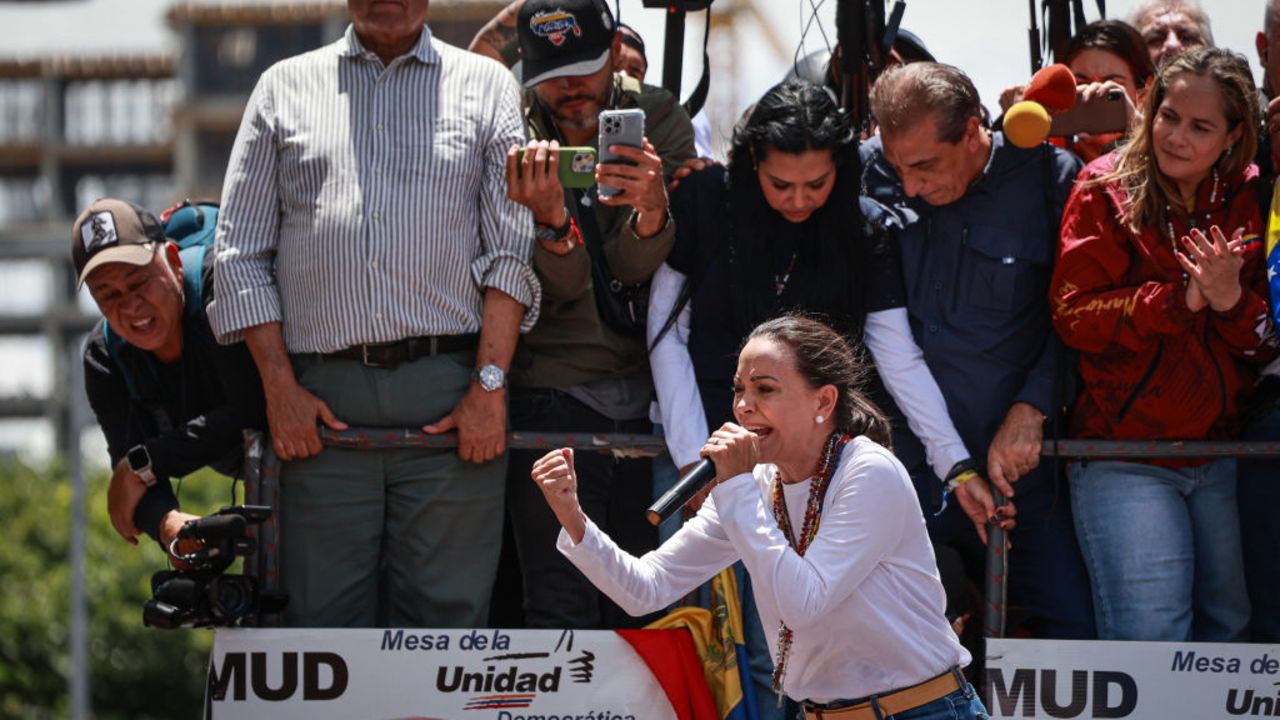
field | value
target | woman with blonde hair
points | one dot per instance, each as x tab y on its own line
1160	286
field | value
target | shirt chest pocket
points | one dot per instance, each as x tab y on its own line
447	149
1003	271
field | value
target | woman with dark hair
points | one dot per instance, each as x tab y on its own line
778	230
828	524
1160	285
1107	56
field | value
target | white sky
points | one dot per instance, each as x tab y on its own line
986	38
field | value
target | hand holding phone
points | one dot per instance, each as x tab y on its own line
641	186
619	128
1099	108
532	183
575	167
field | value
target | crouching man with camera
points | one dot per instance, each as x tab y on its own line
169	399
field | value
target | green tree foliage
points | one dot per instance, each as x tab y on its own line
135	671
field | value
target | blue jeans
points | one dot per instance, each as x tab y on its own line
1259	490
962	704
1162	546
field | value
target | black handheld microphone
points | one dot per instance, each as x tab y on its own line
702	475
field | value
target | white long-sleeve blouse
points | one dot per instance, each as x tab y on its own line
865	602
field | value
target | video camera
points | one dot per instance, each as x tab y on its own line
203	595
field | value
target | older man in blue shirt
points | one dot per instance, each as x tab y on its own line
977	258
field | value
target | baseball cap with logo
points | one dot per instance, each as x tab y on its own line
113	231
564	38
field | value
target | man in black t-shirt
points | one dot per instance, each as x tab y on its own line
169	399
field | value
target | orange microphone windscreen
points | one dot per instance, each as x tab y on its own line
1054	87
1026	124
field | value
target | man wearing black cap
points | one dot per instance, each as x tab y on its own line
578	370
169	398
498	39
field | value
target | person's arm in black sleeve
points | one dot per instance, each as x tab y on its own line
226	376
218	433
116	411
886	288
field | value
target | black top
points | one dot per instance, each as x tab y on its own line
1266	167
189	413
699	210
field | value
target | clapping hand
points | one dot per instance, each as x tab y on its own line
1212	264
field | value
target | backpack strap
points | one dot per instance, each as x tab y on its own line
193	279
115	349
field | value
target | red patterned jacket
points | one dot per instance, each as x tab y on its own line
1152	369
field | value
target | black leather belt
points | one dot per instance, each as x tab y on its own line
389	355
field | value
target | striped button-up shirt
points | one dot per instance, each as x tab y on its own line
367	204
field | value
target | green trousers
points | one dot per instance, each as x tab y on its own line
398	538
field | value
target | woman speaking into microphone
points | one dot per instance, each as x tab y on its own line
826	521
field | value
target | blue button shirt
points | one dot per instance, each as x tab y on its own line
977	279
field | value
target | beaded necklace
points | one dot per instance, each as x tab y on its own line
1191	212
812	518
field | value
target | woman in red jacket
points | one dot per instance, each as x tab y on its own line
1160	286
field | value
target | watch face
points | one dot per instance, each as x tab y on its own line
138	458
491	377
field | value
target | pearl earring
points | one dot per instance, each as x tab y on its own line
820	419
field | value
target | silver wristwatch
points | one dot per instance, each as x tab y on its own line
491	377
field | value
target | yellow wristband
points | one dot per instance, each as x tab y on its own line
961	479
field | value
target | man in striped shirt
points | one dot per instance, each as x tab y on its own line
370	258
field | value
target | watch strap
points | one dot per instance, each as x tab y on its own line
559	230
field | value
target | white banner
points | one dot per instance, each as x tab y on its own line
430	675
1054	679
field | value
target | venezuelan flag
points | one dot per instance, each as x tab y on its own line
728	614
1273	253
718	637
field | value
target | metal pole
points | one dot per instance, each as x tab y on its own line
1033	36
79	681
996	587
673	51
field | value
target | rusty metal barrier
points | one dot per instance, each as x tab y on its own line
1136	449
381	438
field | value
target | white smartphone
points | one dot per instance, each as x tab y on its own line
619	127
